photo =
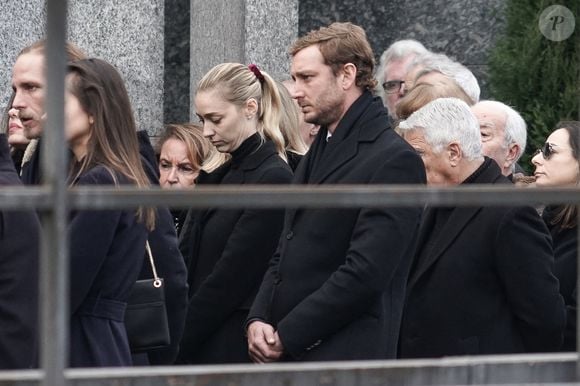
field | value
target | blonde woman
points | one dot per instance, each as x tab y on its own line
228	250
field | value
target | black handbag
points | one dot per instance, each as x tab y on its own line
146	316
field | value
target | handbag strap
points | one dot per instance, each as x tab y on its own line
157	280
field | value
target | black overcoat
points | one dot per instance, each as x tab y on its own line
565	268
486	286
19	240
106	255
335	287
228	252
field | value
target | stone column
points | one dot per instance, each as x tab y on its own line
244	31
128	34
22	23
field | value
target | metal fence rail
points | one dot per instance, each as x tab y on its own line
53	201
485	370
307	196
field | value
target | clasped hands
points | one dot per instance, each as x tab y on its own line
264	344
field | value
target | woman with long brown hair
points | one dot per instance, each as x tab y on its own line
107	247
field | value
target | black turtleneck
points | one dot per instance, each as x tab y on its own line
246	148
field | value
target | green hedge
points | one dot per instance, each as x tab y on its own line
538	77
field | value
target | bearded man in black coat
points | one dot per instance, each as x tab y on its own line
335	287
481	281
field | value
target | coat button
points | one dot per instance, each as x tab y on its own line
289	235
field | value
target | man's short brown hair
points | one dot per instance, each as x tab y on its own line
342	43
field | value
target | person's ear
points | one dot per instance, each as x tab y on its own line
348	76
454	154
513	152
251	108
91	120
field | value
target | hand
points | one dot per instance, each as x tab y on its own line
264	344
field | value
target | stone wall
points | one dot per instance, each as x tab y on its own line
163	47
243	31
177	62
462	29
128	34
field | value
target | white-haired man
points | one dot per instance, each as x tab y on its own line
392	71
430	67
503	133
481	281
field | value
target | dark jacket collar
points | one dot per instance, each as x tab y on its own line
364	121
366	109
487	173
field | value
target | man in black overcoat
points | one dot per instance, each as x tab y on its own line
19	239
481	281
335	287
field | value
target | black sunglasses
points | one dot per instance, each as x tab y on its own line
547	150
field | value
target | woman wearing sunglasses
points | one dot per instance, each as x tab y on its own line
557	165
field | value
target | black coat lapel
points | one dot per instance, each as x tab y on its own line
335	155
457	222
363	121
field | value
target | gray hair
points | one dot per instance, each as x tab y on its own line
515	130
430	62
397	51
446	120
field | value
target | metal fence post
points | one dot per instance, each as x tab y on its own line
54	253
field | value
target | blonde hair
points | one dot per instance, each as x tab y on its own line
237	84
424	93
200	152
290	122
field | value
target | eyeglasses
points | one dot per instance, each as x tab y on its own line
393	86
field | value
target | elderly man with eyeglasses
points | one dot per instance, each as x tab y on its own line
392	70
